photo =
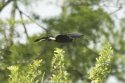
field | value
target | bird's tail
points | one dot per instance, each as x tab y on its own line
45	39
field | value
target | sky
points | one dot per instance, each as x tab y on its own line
51	8
45	9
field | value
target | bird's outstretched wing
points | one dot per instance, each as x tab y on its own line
74	35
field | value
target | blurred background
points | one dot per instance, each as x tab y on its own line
23	21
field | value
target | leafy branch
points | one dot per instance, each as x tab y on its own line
27	74
102	68
60	74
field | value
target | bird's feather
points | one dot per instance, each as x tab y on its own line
75	35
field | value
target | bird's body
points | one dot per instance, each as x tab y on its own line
61	38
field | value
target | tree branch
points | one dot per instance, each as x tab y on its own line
22	20
32	20
5	4
12	19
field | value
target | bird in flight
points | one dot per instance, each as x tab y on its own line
61	38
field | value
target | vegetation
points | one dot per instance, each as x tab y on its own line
103	65
35	62
26	74
30	73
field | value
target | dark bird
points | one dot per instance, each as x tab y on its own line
62	38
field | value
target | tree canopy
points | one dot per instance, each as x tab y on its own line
85	17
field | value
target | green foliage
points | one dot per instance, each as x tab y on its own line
27	74
11	21
83	16
102	68
30	73
58	68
